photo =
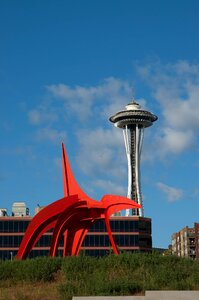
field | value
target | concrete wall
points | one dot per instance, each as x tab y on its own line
150	295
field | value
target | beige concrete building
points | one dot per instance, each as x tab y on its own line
19	209
185	243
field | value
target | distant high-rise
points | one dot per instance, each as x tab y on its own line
133	120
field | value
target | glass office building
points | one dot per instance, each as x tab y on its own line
130	234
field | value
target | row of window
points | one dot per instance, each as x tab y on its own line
13	225
116	226
122	226
89	241
103	240
14	241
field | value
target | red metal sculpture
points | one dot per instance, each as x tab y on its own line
72	217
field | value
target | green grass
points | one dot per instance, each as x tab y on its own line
126	274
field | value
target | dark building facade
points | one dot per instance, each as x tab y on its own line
131	234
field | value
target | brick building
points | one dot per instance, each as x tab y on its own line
185	243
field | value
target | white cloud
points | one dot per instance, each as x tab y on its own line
34	117
173	194
174	141
101	151
51	135
99	148
39	116
24	151
178	112
103	99
110	187
176	88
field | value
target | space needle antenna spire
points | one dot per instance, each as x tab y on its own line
133	120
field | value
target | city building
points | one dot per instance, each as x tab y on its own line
38	208
133	121
132	234
19	209
185	243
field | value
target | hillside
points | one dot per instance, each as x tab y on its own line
126	274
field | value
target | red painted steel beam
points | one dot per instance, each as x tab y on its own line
72	216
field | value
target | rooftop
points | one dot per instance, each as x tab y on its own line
133	114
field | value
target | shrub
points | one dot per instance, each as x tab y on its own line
38	269
126	274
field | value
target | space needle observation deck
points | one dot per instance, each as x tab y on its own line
133	120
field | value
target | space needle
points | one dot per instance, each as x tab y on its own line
133	120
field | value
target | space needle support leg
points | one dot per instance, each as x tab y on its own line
141	131
138	145
128	154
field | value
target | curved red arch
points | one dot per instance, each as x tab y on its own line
72	216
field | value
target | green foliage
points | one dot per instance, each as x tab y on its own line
39	269
95	276
126	274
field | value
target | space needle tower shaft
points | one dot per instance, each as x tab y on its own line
133	120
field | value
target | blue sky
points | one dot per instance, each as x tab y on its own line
66	66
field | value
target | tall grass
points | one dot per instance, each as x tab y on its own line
31	270
126	274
